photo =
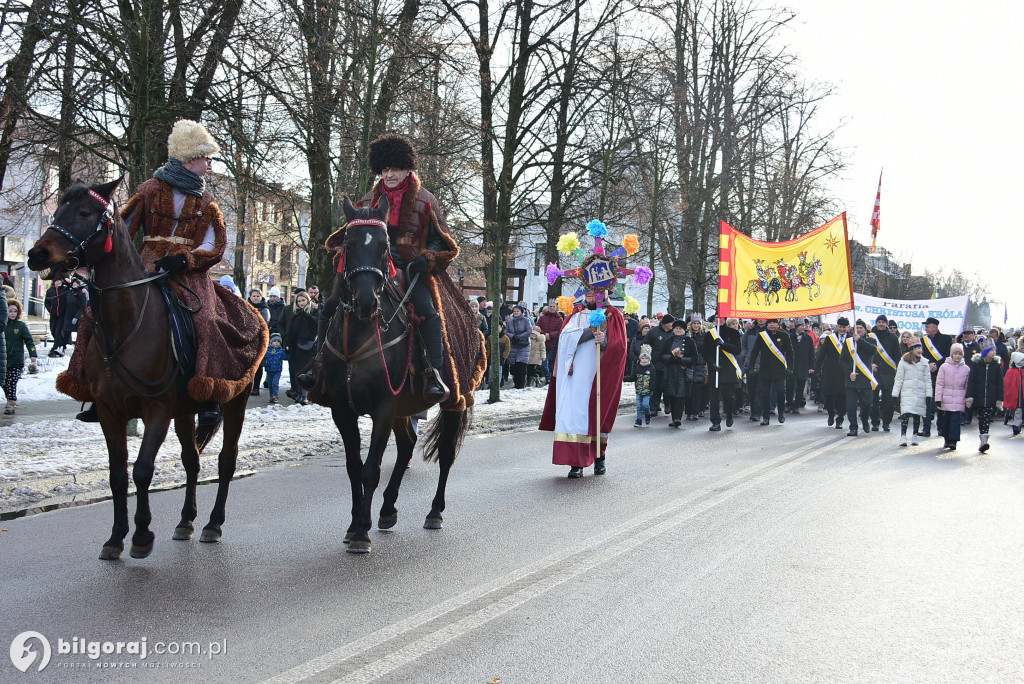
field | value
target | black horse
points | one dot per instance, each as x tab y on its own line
132	369
368	370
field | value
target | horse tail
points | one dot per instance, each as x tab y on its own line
448	429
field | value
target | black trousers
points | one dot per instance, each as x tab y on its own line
795	392
835	404
765	388
695	402
725	395
858	398
658	389
754	393
519	375
678	404
882	407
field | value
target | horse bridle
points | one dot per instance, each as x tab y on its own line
77	251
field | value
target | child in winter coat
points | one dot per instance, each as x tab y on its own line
985	388
535	367
273	363
913	387
642	383
1013	392
950	388
17	339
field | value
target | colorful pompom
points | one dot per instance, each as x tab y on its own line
553	273
631	243
565	305
597	229
643	275
568	243
632	306
597	318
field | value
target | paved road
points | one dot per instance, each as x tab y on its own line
780	554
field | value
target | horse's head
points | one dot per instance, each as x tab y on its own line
366	256
83	220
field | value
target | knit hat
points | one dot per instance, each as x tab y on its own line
860	322
667	318
391	151
645	350
190	140
1017	358
956	347
986	345
676	323
881	317
274	292
276	336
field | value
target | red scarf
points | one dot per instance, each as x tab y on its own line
394	196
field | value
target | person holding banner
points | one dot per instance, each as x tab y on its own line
936	348
720	349
828	366
884	365
858	352
775	349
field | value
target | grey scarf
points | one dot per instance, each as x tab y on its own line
177	176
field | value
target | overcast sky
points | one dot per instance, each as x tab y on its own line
931	92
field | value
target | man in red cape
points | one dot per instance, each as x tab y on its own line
570	408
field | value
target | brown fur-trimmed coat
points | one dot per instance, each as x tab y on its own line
231	334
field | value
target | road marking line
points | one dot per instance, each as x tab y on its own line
679	510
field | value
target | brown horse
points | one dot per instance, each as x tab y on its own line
131	365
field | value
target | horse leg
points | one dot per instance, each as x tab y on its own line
347	423
142	473
451	426
234	416
370	478
185	429
115	431
405	440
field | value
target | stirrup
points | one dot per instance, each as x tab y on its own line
437	382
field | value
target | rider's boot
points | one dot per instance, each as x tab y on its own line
89	415
310	378
430	336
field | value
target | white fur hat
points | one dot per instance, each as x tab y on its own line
190	140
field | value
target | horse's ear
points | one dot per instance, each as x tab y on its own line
106	190
382	207
347	207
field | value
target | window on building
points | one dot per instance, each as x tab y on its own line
273	253
261	250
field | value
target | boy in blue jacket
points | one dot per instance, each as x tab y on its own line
273	363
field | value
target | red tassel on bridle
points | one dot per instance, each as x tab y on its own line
108	244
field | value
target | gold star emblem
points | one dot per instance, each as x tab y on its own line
832	242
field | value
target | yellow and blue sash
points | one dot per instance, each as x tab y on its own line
861	366
932	349
835	343
881	351
732	359
775	350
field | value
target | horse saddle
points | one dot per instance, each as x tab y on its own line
183	330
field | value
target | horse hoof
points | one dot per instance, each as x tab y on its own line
386	522
182	533
432	524
210	536
358	546
141	551
110	553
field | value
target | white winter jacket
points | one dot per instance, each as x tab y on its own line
913	386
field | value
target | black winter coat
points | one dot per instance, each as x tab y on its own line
732	342
771	367
866	349
985	384
657	338
828	365
676	384
891	344
803	355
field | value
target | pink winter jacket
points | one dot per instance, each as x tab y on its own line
951	385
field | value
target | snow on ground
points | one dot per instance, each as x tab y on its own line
35	456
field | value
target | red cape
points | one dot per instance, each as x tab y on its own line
613	368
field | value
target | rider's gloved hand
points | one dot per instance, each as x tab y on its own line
172	263
418	266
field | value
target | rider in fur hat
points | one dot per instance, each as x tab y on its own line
184	234
420	244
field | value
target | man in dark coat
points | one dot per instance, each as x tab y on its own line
774	349
550	323
678	355
886	361
803	367
749	340
721	349
858	353
55	303
936	350
828	365
697	374
657	338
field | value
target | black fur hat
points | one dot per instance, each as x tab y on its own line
391	151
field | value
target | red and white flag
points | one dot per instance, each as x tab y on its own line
876	221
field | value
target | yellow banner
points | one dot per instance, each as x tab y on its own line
803	277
